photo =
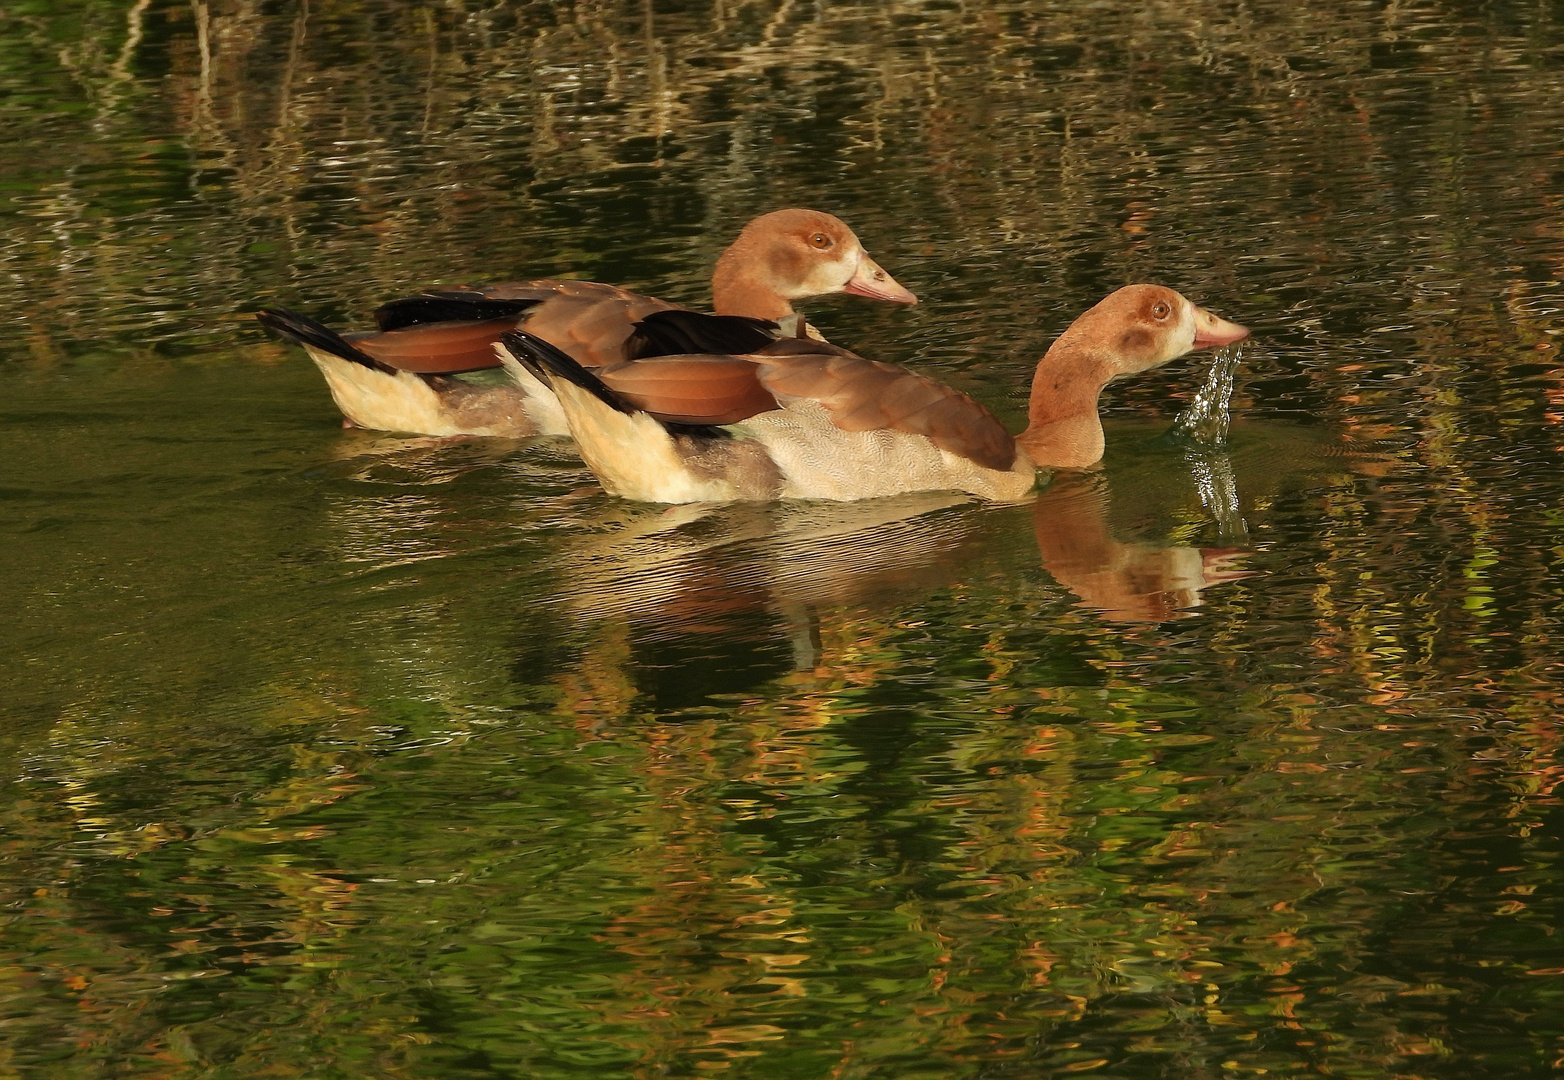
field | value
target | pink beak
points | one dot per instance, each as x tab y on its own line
1212	332
872	281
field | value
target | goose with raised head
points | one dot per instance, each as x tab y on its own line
404	376
804	419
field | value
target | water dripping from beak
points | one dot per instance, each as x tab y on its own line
1201	428
1204	421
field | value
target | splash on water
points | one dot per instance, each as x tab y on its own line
1201	429
1218	487
1205	421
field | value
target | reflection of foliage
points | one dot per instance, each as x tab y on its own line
353	150
904	859
346	779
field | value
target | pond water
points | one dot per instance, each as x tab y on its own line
340	754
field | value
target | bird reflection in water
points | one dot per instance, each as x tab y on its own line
1119	541
748	571
1125	581
1141	581
1118	538
685	603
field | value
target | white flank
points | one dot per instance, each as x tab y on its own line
821	461
543	407
406	402
633	455
374	399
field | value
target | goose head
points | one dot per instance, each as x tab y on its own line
790	255
1133	329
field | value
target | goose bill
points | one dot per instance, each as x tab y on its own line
872	281
1212	332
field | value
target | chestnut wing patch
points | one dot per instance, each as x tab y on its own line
590	321
691	389
437	348
592	325
866	395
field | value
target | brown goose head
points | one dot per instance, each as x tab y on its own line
1140	327
1134	329
789	255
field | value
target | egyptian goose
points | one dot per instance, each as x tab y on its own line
402	377
801	419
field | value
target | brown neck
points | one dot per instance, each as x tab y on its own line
738	289
1063	430
1070	521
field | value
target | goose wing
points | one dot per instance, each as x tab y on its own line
691	389
866	395
439	348
860	394
590	321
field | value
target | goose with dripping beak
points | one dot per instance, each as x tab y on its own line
802	419
403	376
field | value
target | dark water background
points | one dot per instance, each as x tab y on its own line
335	754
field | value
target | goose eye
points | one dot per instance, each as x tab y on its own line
820	240
1160	310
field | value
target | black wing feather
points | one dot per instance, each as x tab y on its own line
685	333
544	361
449	305
303	330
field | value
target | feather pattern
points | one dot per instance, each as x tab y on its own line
867	395
590	321
857	394
454	305
692	389
305	331
441	348
677	332
818	460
